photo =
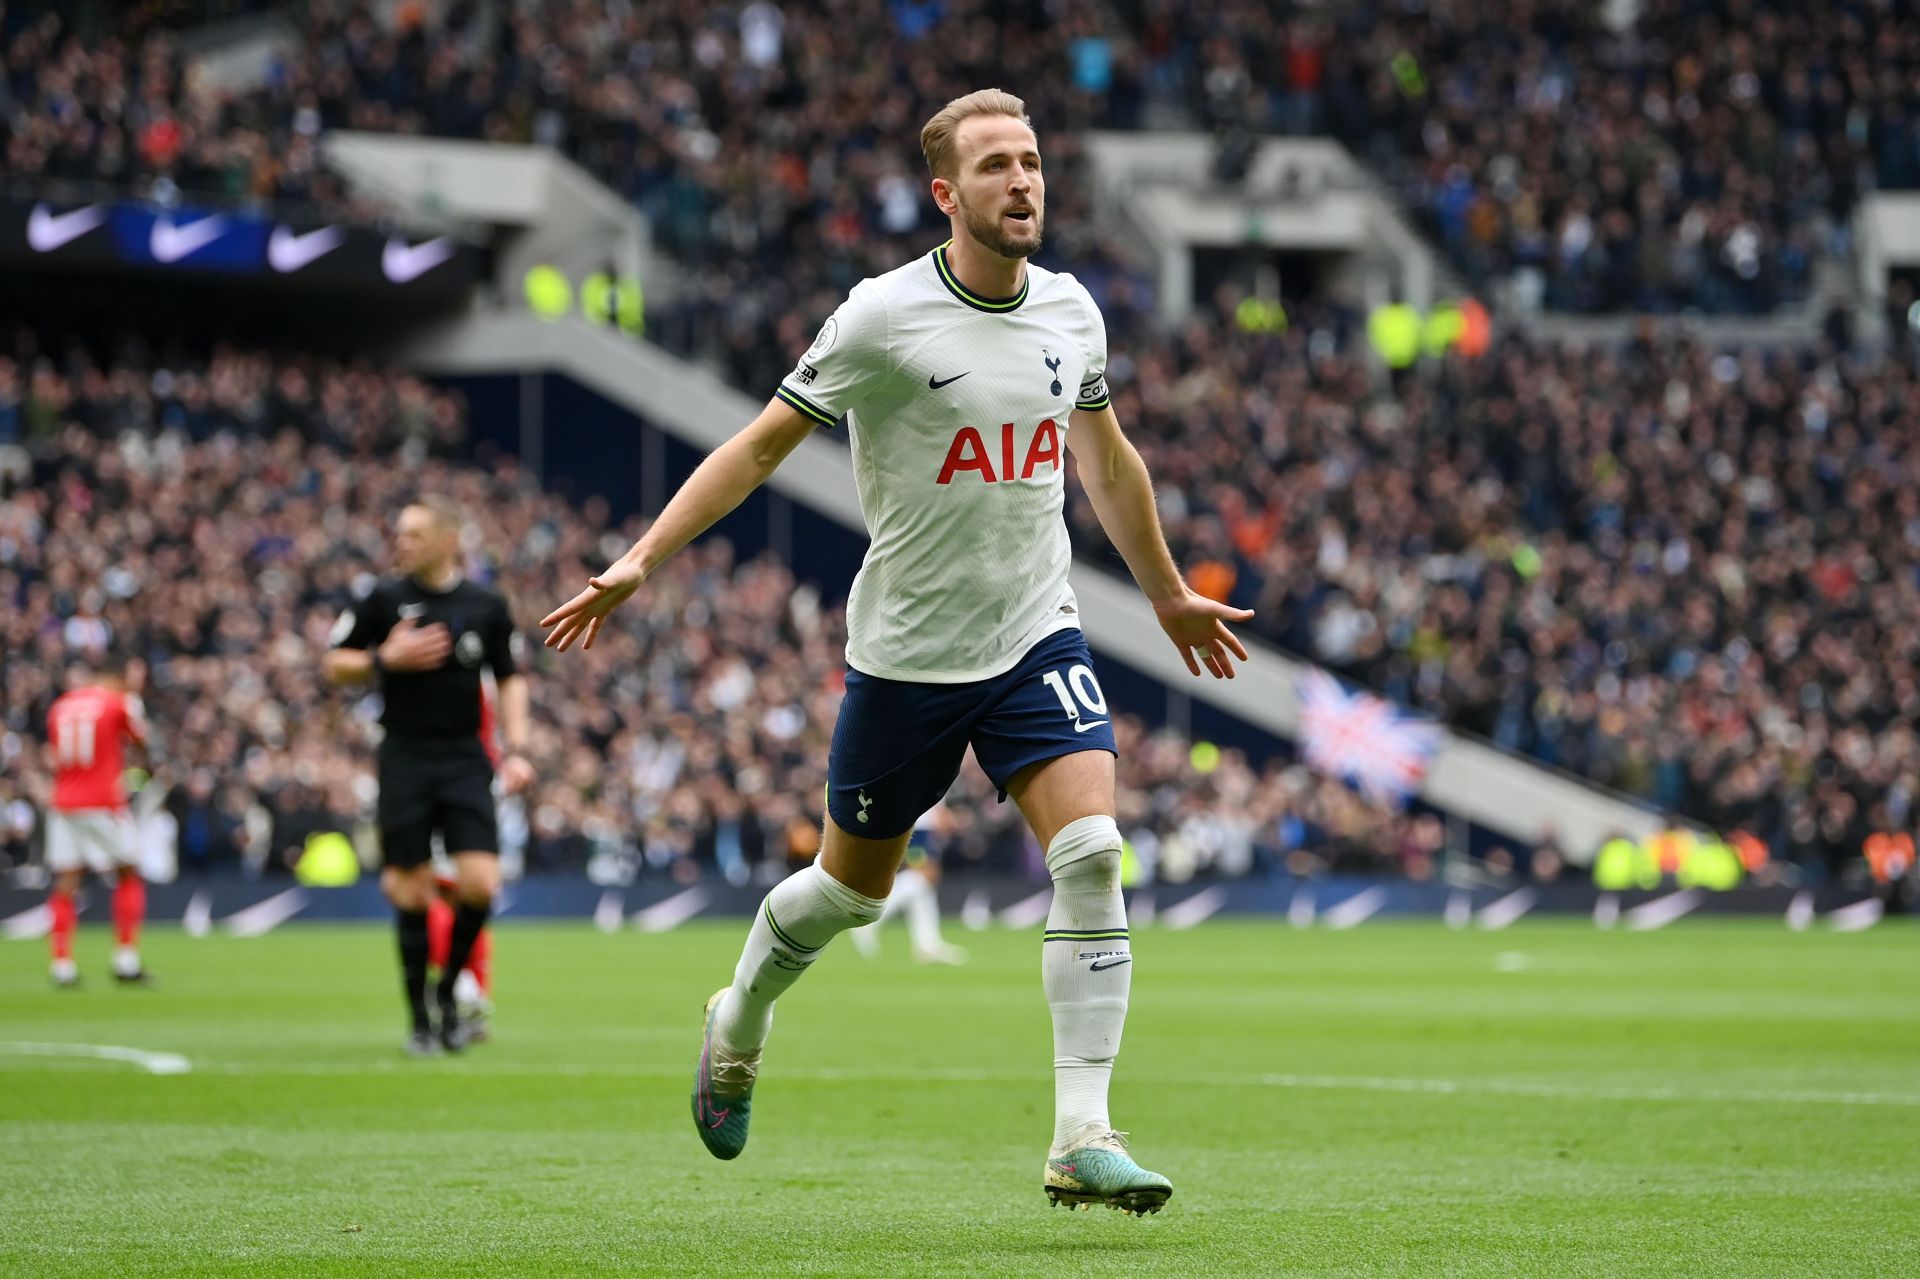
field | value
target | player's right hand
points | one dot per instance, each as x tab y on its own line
410	646
581	616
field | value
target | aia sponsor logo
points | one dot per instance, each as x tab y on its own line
969	453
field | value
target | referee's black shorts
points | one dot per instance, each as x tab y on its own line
435	784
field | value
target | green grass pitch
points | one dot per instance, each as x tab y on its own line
1720	1098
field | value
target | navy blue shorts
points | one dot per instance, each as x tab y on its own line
898	746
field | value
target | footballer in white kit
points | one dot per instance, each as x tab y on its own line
963	377
958	409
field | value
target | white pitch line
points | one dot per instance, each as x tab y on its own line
152	1063
1326	1083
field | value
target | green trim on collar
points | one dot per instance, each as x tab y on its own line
996	306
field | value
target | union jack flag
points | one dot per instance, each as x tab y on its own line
1364	740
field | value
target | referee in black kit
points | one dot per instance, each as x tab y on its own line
424	637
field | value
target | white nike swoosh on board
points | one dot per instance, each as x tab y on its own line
170	243
402	262
1078	727
287	251
47	230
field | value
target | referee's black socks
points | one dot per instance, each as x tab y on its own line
468	920
412	926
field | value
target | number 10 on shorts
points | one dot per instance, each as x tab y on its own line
1085	692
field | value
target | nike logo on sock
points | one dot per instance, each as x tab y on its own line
1098	967
934	386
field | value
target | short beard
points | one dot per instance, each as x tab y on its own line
990	234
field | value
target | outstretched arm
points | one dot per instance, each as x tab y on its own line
1116	480
716	486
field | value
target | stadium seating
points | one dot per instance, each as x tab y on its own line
1702	159
1499	546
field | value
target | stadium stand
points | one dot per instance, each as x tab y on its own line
1702	157
1494	545
1716	153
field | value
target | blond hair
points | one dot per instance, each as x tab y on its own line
936	139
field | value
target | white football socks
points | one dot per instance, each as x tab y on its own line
800	916
1086	968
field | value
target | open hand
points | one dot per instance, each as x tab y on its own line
581	616
1198	628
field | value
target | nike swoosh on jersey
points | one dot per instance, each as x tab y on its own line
288	251
934	386
1078	727
47	230
170	243
404	263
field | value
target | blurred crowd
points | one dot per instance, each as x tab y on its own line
1680	572
213	519
1687	574
1702	157
774	148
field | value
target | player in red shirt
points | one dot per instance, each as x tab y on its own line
89	827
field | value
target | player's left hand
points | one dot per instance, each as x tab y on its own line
1198	628
580	618
516	774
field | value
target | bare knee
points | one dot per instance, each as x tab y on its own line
67	881
866	866
408	890
478	882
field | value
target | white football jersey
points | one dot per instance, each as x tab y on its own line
957	407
